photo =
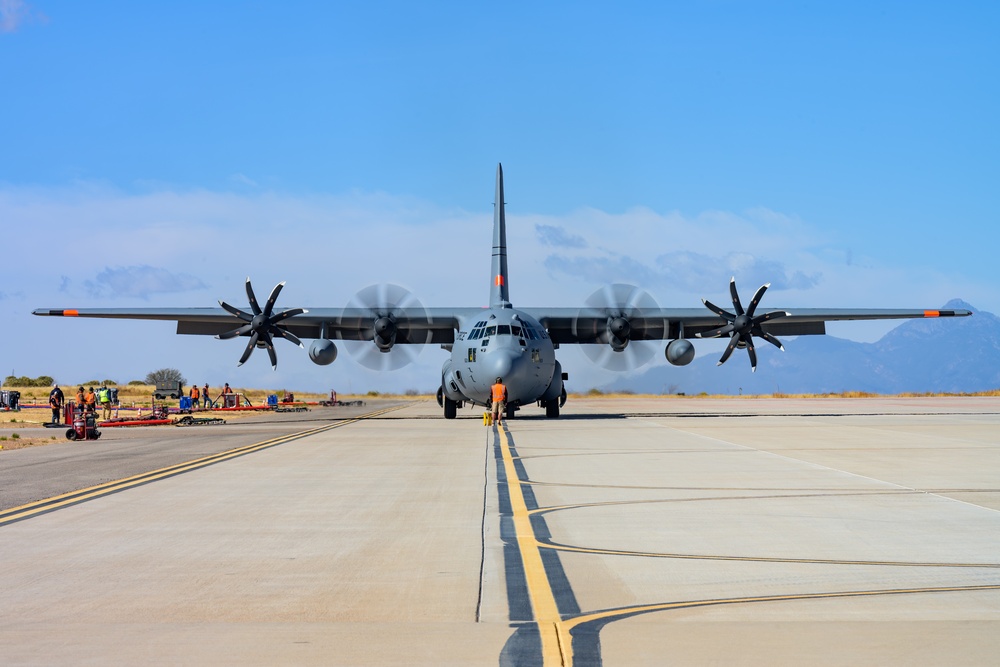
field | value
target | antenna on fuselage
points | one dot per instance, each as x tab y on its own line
499	294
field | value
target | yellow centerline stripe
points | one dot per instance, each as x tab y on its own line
557	647
89	493
642	609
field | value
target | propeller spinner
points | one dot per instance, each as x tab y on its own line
742	325
261	324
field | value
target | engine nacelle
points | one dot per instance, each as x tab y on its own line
679	352
619	330
385	333
322	352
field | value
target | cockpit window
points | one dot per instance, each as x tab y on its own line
516	330
491	331
503	329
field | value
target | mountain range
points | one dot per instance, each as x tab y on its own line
926	355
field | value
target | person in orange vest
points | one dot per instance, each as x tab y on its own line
90	400
499	397
81	399
195	396
56	399
227	402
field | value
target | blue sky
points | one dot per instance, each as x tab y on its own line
156	155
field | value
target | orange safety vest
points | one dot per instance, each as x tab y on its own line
499	392
194	393
90	398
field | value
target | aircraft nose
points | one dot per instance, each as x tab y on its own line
499	363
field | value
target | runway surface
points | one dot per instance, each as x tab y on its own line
628	532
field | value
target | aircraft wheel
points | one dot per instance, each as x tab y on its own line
552	409
450	408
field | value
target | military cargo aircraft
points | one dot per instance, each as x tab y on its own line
616	325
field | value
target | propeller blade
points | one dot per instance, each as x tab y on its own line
285	314
771	339
748	339
269	306
246	317
733	342
269	346
736	296
716	333
287	335
253	299
773	315
756	298
718	311
243	330
249	349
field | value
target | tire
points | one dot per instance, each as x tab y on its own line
71	434
552	408
450	408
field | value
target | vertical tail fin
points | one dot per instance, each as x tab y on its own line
499	294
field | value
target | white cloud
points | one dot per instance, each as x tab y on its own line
140	282
15	13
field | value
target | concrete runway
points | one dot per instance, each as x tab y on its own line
627	532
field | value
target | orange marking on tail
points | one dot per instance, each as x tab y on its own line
498	280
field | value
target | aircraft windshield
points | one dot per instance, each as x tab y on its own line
503	329
491	331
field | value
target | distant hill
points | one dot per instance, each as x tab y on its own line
954	355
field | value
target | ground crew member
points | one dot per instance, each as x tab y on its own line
499	397
204	397
227	403
104	398
90	400
56	399
195	395
81	399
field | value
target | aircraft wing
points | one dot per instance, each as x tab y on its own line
413	325
439	325
590	325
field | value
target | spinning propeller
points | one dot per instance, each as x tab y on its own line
261	325
608	315
387	305
743	325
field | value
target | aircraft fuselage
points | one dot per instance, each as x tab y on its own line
504	343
